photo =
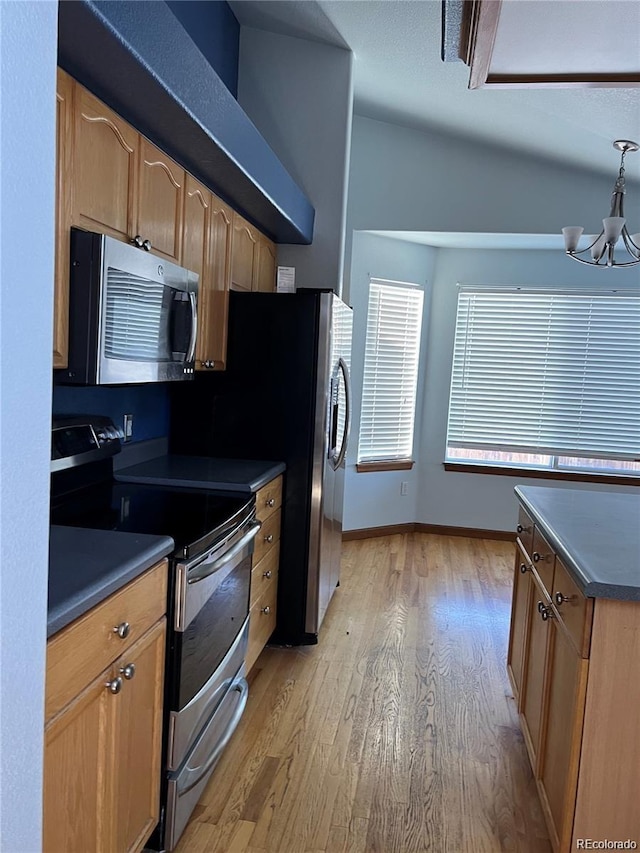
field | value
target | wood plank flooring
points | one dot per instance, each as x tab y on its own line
397	733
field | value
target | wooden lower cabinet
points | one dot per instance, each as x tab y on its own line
103	751
519	620
560	754
264	574
574	664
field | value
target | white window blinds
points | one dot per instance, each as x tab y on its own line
554	372
394	321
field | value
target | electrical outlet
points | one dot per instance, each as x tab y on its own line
128	427
404	488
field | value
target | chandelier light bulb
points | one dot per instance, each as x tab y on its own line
601	249
572	234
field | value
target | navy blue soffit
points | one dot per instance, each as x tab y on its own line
139	60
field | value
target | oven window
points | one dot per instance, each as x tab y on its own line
210	635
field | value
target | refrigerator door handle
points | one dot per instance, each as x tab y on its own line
338	459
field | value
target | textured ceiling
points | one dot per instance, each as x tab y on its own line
399	77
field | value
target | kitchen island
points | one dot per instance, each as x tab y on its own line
574	658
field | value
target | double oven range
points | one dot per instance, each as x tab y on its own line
208	606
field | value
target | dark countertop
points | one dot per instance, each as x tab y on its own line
86	566
596	534
203	472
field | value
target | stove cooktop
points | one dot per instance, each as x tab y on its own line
195	519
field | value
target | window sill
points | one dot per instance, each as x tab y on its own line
542	474
392	465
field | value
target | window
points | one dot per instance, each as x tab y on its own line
546	379
394	321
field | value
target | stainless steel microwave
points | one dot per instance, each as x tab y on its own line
133	316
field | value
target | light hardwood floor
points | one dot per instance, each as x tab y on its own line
397	733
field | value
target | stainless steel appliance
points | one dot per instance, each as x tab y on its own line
132	316
285	395
208	606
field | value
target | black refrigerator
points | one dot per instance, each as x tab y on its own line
284	396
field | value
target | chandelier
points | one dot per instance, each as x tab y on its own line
614	227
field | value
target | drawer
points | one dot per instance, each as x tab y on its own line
268	498
81	651
525	530
268	536
573	608
543	557
262	623
265	573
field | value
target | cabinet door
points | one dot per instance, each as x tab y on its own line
520	611
221	233
567	681
196	255
533	694
137	745
265	278
76	807
159	207
104	165
64	107
243	254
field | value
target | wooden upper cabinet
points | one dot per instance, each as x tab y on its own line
64	112
159	203
104	168
244	254
207	227
265	279
214	341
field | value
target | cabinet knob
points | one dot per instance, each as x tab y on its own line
519	528
537	557
266	610
208	363
129	670
271	502
561	599
146	245
138	241
524	568
122	630
544	611
267	574
269	538
114	686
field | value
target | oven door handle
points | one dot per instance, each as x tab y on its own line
242	687
207	569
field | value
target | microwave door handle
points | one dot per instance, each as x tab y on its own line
191	351
207	568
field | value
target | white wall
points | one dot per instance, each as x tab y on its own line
373	499
299	94
28	42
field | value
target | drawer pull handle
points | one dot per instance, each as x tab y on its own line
537	557
271	502
266	610
520	528
122	630
269	538
128	671
562	599
114	686
267	574
524	568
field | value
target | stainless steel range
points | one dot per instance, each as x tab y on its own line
208	607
